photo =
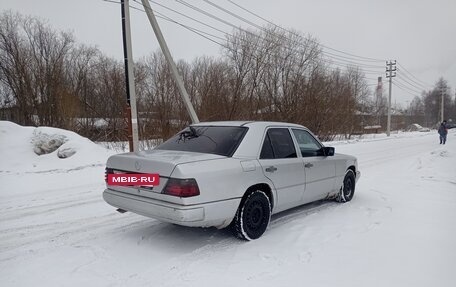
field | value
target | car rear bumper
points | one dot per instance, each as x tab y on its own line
358	175
218	214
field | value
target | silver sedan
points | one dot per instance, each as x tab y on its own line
232	174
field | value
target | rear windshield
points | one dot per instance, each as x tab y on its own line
206	139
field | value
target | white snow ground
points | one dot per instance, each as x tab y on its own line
399	230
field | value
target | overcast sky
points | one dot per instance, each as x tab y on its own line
419	34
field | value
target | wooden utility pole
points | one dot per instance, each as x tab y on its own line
442	91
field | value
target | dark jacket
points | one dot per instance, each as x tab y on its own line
443	130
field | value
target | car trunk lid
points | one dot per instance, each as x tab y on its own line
161	162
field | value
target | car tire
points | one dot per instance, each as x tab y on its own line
253	216
347	190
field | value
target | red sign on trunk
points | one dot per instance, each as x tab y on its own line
133	179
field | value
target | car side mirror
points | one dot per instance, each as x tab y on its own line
329	151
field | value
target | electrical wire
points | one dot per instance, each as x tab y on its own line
329	60
425	84
400	76
406	91
201	33
405	83
226	34
409	79
204	12
208	35
186	16
327	47
398	83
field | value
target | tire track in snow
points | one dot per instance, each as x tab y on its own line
21	213
69	232
387	155
49	194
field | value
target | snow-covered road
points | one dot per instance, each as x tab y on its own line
399	230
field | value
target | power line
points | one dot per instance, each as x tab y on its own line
425	84
339	57
410	84
407	88
415	83
166	18
232	14
208	35
200	32
225	22
194	30
348	64
327	47
186	16
209	14
329	60
118	2
404	90
204	12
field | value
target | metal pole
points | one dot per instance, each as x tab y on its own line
129	75
172	65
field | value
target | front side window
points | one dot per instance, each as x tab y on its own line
219	140
308	145
278	144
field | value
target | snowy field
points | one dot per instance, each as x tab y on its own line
399	230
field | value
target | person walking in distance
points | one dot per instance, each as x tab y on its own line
443	131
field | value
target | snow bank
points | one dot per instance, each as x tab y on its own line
379	137
30	149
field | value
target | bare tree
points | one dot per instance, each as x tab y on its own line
32	69
269	74
15	76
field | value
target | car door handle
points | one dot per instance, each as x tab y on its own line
308	165
271	169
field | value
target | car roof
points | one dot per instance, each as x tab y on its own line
253	124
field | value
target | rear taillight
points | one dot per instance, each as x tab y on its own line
114	171
181	187
108	171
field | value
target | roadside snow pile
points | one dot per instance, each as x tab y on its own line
42	149
44	143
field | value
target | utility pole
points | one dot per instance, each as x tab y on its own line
132	114
169	58
378	99
442	91
390	73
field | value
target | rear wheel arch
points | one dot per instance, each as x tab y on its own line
253	215
352	168
264	187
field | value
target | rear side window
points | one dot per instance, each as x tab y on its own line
206	139
278	144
